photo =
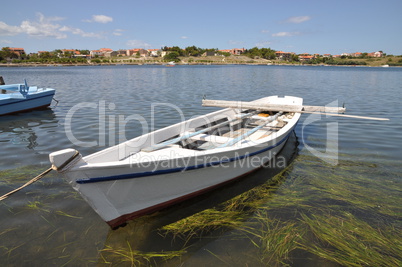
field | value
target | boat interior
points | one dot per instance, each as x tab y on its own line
225	132
227	128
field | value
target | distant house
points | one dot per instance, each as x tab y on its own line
226	51
111	54
137	51
100	53
238	51
121	52
209	54
154	52
94	53
375	54
164	53
284	55
71	52
306	57
357	54
18	51
234	51
68	50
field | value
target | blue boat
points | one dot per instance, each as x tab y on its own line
21	97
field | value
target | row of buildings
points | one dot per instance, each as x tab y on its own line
107	52
305	56
139	52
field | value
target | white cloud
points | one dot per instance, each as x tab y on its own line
100	19
79	32
118	32
298	19
5	42
8	30
184	37
263	44
44	27
285	34
138	44
233	42
265	31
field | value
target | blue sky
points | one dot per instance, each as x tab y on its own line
318	26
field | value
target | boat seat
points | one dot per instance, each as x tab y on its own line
211	138
262	133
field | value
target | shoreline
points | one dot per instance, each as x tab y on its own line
17	65
212	60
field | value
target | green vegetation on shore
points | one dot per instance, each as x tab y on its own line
208	60
192	56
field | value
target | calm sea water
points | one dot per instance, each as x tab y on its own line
103	105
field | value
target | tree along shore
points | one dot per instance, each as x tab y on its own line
214	60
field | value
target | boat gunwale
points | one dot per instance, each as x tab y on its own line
174	170
23	99
196	153
89	158
283	134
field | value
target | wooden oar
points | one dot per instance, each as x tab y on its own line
346	116
285	108
187	136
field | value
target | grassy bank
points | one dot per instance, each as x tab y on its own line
217	60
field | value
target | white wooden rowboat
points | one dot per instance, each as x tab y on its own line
178	162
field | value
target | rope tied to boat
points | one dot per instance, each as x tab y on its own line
62	168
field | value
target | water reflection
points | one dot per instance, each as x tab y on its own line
23	126
23	131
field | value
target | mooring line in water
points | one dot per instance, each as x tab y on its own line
26	184
63	167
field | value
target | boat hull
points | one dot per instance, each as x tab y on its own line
124	193
169	193
39	100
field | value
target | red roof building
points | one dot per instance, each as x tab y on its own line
17	51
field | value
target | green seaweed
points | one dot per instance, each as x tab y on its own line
352	242
313	197
134	257
275	239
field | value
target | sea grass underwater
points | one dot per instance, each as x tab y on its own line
342	214
309	213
